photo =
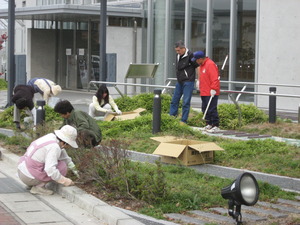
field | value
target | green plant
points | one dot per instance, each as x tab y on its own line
3	84
143	101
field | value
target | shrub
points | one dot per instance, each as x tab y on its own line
229	116
143	101
3	84
6	117
110	169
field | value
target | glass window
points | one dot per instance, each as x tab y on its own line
198	26
246	40
220	34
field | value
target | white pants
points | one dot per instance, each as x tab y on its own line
93	112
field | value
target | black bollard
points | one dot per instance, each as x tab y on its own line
40	112
156	111
272	105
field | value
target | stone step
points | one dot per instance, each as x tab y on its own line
246	216
185	219
289	202
280	207
298	198
212	216
265	212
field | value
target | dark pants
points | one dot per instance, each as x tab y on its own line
212	116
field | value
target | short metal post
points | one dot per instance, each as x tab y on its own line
156	111
40	112
272	105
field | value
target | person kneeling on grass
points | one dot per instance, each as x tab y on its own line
89	132
46	160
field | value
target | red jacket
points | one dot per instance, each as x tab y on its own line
209	78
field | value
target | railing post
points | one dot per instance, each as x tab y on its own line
272	105
299	113
156	111
40	112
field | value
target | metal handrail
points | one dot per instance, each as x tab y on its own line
248	83
173	87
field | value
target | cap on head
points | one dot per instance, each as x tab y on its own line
56	89
198	55
67	134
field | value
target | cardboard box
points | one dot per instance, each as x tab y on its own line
184	151
125	115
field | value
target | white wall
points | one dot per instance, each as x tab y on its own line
279	50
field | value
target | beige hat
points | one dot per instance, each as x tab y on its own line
56	89
67	134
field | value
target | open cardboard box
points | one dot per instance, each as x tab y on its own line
184	151
125	115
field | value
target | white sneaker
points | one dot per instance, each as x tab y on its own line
206	128
40	191
213	129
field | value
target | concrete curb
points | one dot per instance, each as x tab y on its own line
284	182
89	203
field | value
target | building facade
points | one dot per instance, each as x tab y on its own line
60	39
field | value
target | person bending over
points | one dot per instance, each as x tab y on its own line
87	127
23	99
45	87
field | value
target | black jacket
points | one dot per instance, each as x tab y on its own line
24	91
185	68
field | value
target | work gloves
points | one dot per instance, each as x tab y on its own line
212	92
119	112
72	167
65	181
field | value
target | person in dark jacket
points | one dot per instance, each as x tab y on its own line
186	73
89	132
23	99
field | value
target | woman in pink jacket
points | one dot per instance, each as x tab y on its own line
46	160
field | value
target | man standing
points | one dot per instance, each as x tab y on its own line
185	72
89	132
209	86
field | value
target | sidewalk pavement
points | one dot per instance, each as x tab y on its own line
68	205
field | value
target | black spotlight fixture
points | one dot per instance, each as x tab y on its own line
243	191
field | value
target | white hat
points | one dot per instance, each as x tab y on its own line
67	134
56	89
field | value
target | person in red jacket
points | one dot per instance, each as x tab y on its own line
209	86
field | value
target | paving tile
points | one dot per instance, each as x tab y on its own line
27	206
185	219
16	197
289	202
9	185
41	217
212	216
280	207
247	216
7	217
266	212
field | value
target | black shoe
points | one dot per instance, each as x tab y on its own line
18	125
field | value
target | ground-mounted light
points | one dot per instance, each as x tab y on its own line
243	191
